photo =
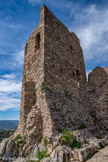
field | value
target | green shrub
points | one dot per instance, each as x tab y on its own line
69	119
46	88
98	137
102	146
67	137
82	126
45	142
42	154
18	137
23	142
76	144
89	156
97	149
66	92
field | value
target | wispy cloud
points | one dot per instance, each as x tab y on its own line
19	57
91	26
10	89
90	23
7	102
8	76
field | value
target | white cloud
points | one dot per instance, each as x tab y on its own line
8	76
19	57
10	90
91	26
90	23
9	86
7	102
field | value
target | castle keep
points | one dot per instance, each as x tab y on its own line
53	58
56	96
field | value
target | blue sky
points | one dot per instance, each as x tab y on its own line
18	18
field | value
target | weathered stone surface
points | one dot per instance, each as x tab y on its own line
20	160
101	156
45	160
3	146
53	58
56	96
9	148
98	94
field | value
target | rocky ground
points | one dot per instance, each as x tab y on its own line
101	156
68	146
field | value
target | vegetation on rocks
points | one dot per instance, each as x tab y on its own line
42	154
18	137
89	156
68	138
69	119
21	140
45	142
76	144
82	126
98	137
49	88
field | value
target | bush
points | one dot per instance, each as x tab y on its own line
42	154
21	140
76	144
98	137
67	137
46	88
18	137
82	126
89	156
69	119
45	142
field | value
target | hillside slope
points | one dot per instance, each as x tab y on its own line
8	124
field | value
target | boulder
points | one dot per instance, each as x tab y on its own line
3	146
45	160
9	148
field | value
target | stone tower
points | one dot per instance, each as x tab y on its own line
98	93
54	80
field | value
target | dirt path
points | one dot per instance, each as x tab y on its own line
101	156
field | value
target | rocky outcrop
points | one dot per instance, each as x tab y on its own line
82	147
3	145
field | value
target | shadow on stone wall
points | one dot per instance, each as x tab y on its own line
33	117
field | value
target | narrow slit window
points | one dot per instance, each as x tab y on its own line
37	42
73	75
77	72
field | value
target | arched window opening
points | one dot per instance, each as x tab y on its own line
77	72
37	42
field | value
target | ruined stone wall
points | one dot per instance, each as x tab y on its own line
67	105
33	76
98	94
53	57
